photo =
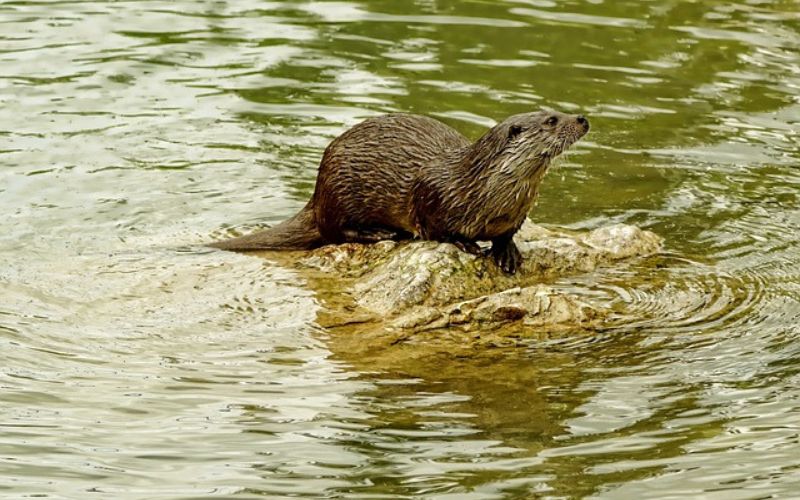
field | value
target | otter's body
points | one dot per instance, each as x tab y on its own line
398	176
367	174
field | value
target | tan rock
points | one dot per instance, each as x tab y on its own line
425	285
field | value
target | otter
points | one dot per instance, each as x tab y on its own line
401	176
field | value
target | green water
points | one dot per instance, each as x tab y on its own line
136	365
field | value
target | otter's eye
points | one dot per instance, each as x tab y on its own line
551	121
514	131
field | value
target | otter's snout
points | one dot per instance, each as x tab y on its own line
583	122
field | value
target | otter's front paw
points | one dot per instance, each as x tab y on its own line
507	256
467	246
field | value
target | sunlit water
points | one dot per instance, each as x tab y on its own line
135	364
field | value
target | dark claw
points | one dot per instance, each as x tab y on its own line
468	246
507	257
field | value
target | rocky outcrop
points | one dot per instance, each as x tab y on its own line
425	285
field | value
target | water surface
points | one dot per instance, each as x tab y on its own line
135	364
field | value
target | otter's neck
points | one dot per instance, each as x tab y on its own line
500	182
486	160
478	157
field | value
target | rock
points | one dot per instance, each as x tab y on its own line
622	241
423	285
535	306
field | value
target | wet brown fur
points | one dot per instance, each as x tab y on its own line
399	175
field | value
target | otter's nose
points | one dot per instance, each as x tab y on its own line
583	121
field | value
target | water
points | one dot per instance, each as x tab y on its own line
137	365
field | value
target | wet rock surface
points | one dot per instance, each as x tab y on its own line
424	285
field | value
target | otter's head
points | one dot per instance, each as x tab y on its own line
524	143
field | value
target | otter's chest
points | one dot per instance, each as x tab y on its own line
508	209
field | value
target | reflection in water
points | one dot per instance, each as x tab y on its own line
136	366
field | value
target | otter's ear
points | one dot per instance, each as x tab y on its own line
514	130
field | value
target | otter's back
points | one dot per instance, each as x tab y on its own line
366	173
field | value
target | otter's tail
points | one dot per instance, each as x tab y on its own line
299	232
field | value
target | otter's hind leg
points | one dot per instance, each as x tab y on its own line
373	235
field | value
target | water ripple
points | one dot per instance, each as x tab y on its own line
137	365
